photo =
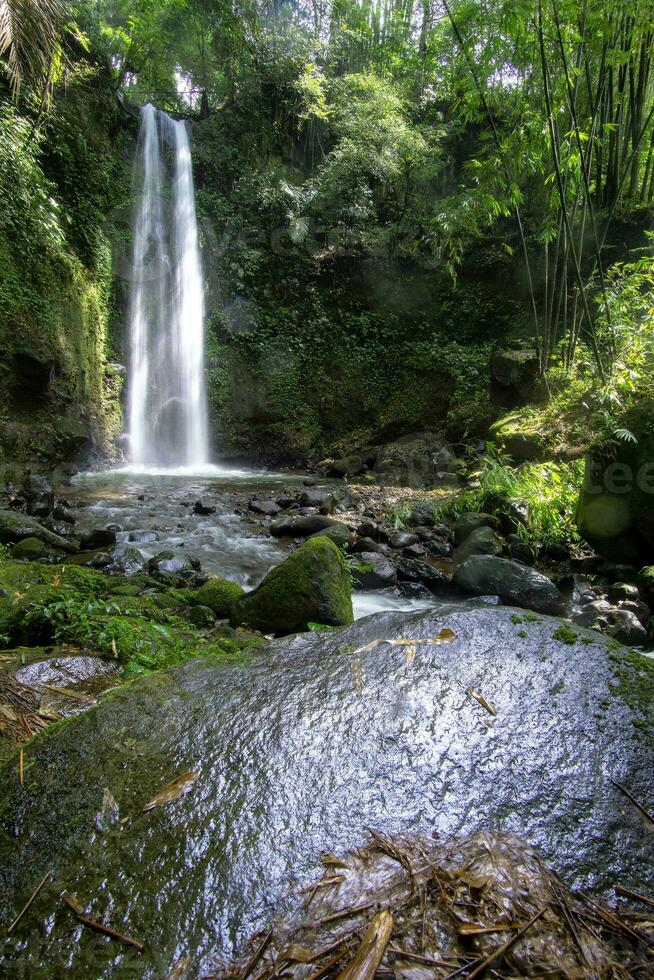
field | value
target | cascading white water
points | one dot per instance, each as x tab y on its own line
167	409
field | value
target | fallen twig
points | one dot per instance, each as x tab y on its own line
614	921
256	956
404	954
28	902
646	817
99	926
621	890
500	953
21	767
346	913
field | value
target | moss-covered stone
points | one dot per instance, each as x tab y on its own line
311	586
517	435
32	549
201	616
218	594
16	526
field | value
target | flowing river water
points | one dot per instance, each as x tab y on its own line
231	542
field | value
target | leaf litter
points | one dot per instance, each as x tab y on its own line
414	908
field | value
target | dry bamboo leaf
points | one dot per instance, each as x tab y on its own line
409	654
481	700
371	950
69	693
21	767
445	636
180	969
8	712
172	791
330	860
473	929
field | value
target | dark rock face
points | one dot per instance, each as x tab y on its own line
297	753
514	583
514	377
202	508
98	538
413	570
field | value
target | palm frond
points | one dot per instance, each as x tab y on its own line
29	39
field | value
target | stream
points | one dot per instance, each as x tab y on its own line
230	543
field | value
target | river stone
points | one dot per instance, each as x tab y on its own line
15	526
143	537
339	533
470	522
266	507
414	570
373	571
481	541
297	753
101	537
126	561
302	527
514	583
402	539
311	586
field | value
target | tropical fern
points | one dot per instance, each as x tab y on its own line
29	40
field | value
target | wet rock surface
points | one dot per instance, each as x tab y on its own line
299	751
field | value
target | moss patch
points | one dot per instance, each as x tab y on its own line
634	683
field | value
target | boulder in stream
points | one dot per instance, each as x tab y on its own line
518	584
311	586
297	752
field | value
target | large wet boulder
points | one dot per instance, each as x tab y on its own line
311	586
615	514
514	583
15	526
298	752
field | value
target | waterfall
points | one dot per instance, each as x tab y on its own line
167	410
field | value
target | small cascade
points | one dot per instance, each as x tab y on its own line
167	409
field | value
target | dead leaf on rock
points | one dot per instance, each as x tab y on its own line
172	791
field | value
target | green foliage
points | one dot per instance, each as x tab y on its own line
550	492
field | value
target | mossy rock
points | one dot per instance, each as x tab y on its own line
615	513
517	435
218	594
201	616
32	549
311	586
15	527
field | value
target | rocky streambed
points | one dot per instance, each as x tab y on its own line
184	806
